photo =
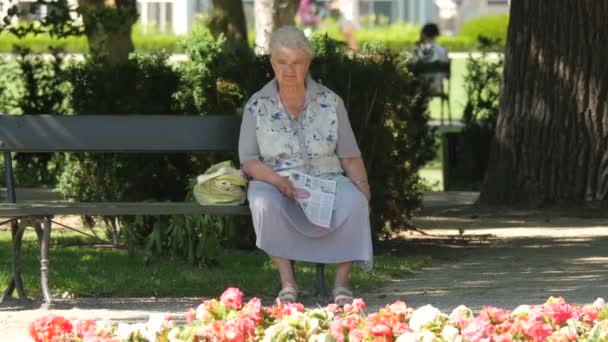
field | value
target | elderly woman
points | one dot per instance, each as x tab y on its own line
294	123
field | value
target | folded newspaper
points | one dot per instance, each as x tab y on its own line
315	196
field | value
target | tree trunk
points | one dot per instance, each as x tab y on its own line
228	18
552	132
269	16
108	25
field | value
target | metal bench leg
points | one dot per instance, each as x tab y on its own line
16	282
320	287
44	264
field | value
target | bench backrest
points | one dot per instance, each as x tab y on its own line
119	133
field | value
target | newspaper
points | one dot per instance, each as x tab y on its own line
315	196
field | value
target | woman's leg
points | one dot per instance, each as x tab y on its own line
342	274
285	271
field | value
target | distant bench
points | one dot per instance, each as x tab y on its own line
109	134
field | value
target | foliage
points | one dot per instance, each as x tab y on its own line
492	27
483	83
387	115
230	318
36	86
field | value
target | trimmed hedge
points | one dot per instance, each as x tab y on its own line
396	37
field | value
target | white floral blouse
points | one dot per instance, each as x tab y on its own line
312	144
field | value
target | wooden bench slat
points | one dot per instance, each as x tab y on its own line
119	133
118	208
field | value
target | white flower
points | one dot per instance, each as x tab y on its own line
155	323
423	316
173	335
313	324
460	313
522	309
408	337
450	333
427	336
322	338
124	331
201	312
269	333
599	303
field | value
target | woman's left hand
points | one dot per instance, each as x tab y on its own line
365	189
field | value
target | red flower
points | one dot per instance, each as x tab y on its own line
232	298
253	310
356	335
49	327
559	313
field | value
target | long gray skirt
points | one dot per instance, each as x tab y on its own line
283	230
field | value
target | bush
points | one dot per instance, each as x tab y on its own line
491	27
483	83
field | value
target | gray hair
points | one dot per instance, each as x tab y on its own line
291	37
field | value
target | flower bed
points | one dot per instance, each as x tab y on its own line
229	319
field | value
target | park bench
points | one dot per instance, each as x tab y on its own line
109	134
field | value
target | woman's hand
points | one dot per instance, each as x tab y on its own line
364	188
285	186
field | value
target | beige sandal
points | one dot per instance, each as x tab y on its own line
287	295
342	296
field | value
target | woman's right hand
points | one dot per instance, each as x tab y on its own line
285	186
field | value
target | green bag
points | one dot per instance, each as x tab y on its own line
221	184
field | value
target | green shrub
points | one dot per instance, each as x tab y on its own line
491	27
483	82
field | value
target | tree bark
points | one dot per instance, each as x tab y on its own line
108	25
228	17
551	142
269	16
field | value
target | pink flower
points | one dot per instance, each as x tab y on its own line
232	298
356	335
559	313
190	315
398	308
336	330
589	314
494	314
253	310
506	337
334	308
357	306
401	328
537	330
86	328
475	330
350	322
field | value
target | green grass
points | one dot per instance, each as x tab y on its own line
98	272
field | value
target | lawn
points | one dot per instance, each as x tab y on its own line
86	271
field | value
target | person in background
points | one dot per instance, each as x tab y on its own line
296	124
349	20
429	51
309	15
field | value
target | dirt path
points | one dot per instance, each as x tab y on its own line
501	258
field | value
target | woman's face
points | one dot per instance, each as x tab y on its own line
290	66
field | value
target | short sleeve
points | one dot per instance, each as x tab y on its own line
347	144
248	142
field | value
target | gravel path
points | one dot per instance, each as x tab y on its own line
501	258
